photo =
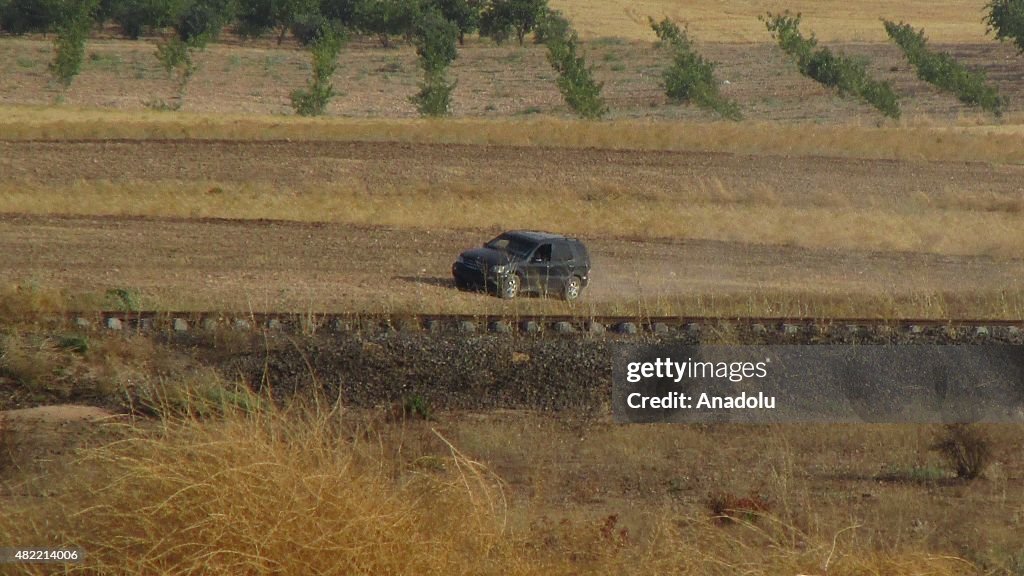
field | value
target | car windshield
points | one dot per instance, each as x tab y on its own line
512	245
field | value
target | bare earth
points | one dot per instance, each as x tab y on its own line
256	77
241	265
188	263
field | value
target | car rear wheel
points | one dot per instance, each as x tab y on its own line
509	286
572	289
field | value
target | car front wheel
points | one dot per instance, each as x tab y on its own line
572	290
509	286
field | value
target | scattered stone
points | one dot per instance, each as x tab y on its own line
113	323
241	324
595	327
432	326
759	329
340	325
693	329
660	328
144	324
626	328
180	325
467	326
981	332
852	329
273	324
531	327
564	327
790	329
209	323
916	329
82	323
501	327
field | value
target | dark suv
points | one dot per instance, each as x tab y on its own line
524	261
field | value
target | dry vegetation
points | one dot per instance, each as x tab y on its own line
808	209
835	20
321	490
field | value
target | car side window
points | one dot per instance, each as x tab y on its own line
561	252
543	253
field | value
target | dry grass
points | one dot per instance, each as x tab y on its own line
831	20
912	141
950	223
317	491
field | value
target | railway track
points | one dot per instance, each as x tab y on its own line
536	324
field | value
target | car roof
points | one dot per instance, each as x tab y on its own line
536	236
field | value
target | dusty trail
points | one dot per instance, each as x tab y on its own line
261	265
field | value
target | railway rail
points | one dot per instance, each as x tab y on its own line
535	324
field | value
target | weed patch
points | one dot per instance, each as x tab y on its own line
966	448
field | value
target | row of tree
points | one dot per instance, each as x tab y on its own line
304	19
385	19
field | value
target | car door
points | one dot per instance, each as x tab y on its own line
560	268
537	268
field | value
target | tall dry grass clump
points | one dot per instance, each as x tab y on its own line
306	491
285	492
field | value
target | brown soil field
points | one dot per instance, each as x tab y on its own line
334	226
256	77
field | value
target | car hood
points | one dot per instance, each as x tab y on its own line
488	256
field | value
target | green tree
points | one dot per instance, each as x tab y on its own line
436	38
256	17
202	21
313	100
848	75
942	70
387	18
136	16
691	78
465	14
1006	19
575	80
27	16
69	47
503	18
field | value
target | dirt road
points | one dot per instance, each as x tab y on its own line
240	265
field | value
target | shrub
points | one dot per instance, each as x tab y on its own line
966	448
1006	19
849	76
435	96
575	80
436	39
69	46
691	78
123	299
727	507
74	343
313	100
943	71
417	407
